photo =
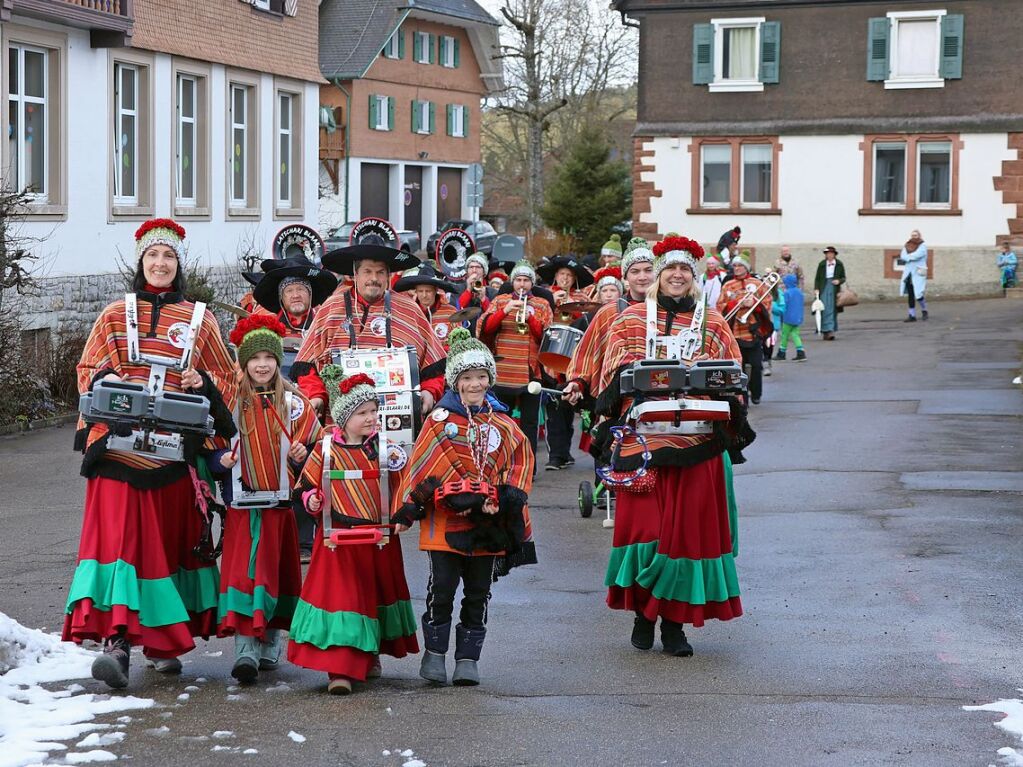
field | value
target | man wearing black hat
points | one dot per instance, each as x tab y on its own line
368	315
292	289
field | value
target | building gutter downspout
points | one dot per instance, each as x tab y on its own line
348	133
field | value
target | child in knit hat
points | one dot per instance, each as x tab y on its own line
355	602
611	250
260	571
471	473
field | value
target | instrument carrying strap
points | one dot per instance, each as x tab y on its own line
382	474
685	345
159	365
325	515
283	491
353	342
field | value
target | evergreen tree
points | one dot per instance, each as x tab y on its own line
590	192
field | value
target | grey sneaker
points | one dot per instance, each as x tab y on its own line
111	667
164	665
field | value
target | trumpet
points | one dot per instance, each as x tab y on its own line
760	294
522	314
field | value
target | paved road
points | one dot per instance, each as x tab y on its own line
880	516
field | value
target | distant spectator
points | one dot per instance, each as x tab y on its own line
913	260
712	281
786	264
1007	263
830	275
728	245
792	318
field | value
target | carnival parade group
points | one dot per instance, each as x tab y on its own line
307	452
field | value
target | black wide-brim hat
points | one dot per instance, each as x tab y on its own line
253	278
342	260
547	270
426	275
267	292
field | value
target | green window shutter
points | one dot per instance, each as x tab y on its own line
390	113
430	46
372	111
951	47
417	46
877	49
432	115
770	51
401	42
449	109
415	116
703	54
457	55
465	122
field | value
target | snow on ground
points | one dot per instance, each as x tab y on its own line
34	719
1012	723
296	737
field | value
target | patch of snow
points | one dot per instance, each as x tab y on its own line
216	654
1011	723
191	688
279	687
223	734
184	696
250	751
166	714
124	719
414	763
158	731
33	719
408	752
296	737
235	697
98	739
224	748
87	757
233	688
200	680
386	752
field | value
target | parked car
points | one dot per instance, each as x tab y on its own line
482	233
408	240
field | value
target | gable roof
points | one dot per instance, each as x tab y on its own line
353	32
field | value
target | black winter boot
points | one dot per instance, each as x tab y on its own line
468	646
673	638
111	667
800	355
780	354
433	666
642	633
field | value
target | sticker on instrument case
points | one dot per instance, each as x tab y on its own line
439	414
177	334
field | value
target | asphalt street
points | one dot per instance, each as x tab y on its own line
881	514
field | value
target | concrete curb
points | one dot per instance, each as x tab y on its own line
17	429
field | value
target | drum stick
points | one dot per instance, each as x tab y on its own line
534	387
276	415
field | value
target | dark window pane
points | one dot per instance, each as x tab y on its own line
889	174
35	74
127	168
35	147
717	175
756	174
935	173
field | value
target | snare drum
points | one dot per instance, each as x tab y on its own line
557	347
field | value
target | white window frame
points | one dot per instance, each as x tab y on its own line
243	126
181	121
383	113
424	117
895	82
919	156
742	176
458	120
424	47
905	177
447	51
282	132
722	84
21	100
727	203
120	112
391	46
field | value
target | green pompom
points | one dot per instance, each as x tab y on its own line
332	374
458	336
616	238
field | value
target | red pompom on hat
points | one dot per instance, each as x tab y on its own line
258	333
499	275
159	231
349	383
608	271
677	242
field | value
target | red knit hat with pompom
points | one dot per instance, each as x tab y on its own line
258	333
675	249
159	231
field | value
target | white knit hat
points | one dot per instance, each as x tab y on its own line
523	269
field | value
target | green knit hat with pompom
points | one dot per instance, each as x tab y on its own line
346	394
467	353
613	247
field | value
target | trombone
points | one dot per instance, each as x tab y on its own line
761	293
522	314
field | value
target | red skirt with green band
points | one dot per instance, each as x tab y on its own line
136	572
673	554
355	604
261	576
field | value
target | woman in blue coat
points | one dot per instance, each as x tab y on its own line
913	260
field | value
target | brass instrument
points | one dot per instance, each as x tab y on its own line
520	317
761	293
